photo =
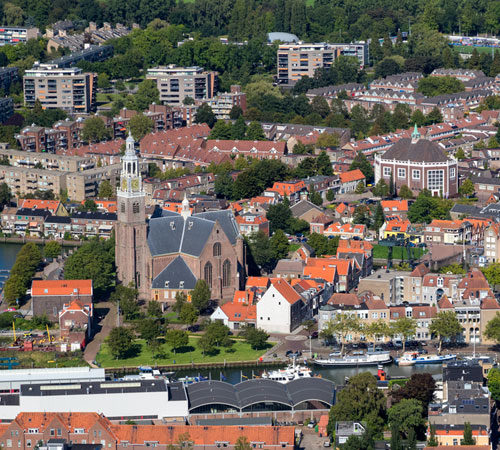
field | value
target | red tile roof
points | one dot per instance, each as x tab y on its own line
262	282
490	303
352	175
444	303
395	205
240	312
61	287
32	203
287	291
344	299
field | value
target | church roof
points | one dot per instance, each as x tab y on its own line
170	233
175	273
419	151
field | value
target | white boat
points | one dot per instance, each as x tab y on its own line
145	373
290	373
407	359
367	359
434	359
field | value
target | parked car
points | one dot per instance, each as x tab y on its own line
314	335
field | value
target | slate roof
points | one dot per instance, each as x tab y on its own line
174	273
300	208
170	233
420	151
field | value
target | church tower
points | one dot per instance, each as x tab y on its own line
131	225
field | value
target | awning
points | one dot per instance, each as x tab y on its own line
106	227
33	224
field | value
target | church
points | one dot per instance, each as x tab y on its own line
170	252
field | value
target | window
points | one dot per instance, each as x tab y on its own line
226	273
59	432
415	174
52	432
207	273
401	173
28	443
452	172
135	207
374	315
122	207
217	250
387	171
435	180
9	442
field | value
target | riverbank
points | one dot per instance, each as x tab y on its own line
23	240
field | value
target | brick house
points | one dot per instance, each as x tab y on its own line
49	296
75	323
350	180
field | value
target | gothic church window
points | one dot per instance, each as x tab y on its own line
208	273
217	249
226	273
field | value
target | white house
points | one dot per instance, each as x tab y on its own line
241	311
280	308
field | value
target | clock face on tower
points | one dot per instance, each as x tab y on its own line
135	184
124	185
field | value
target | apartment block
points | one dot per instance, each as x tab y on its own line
63	163
91	53
69	89
17	35
63	135
223	103
298	60
82	185
6	108
7	76
23	180
177	83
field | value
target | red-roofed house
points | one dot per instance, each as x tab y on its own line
55	207
280	309
349	181
395	207
346	230
75	323
291	189
252	223
241	311
49	296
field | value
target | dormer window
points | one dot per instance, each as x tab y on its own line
167	283
181	284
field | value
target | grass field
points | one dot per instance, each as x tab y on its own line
379	251
293	247
470	49
38	359
141	355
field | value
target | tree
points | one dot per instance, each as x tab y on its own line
407	414
52	249
205	115
105	189
147	93
360	188
309	326
261	251
381	189
375	331
359	400
103	81
235	113
468	439
404	327
379	218
120	342
92	261
140	125
150	330
433	441
223	185
405	192
434	116
176	339
5	194
320	106
94	130
492	273
494	383
446	326
180	300
221	130
420	386
239	128
255	132
395	436
315	197
460	154
206	345
411	443
340	326
154	309
361	162
466	189
256	337
279	245
455	268
432	86
126	297
280	216
330	195
242	443
188	314
323	164
326	140
492	330
218	334
88	205
200	296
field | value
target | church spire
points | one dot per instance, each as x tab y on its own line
415	136
130	178
186	211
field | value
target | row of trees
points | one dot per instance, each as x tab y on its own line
445	326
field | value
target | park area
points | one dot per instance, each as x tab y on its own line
140	354
381	252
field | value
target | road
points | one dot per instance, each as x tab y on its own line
106	312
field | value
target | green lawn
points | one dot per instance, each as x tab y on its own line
470	49
293	247
172	317
380	251
141	355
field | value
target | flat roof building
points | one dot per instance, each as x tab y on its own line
69	89
17	35
176	83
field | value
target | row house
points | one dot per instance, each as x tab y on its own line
315	293
484	187
75	324
290	189
254	149
422	314
480	83
346	230
322	184
249	224
344	274
396	228
24	221
55	207
395	208
459	74
305	210
403	81
448	231
284	131
331	92
162	117
363	258
492	243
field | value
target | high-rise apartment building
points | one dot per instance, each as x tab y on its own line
69	89
177	83
298	60
17	35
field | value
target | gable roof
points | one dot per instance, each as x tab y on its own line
239	312
420	270
172	276
344	299
352	175
490	303
444	303
395	205
33	203
286	291
300	208
422	150
61	287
